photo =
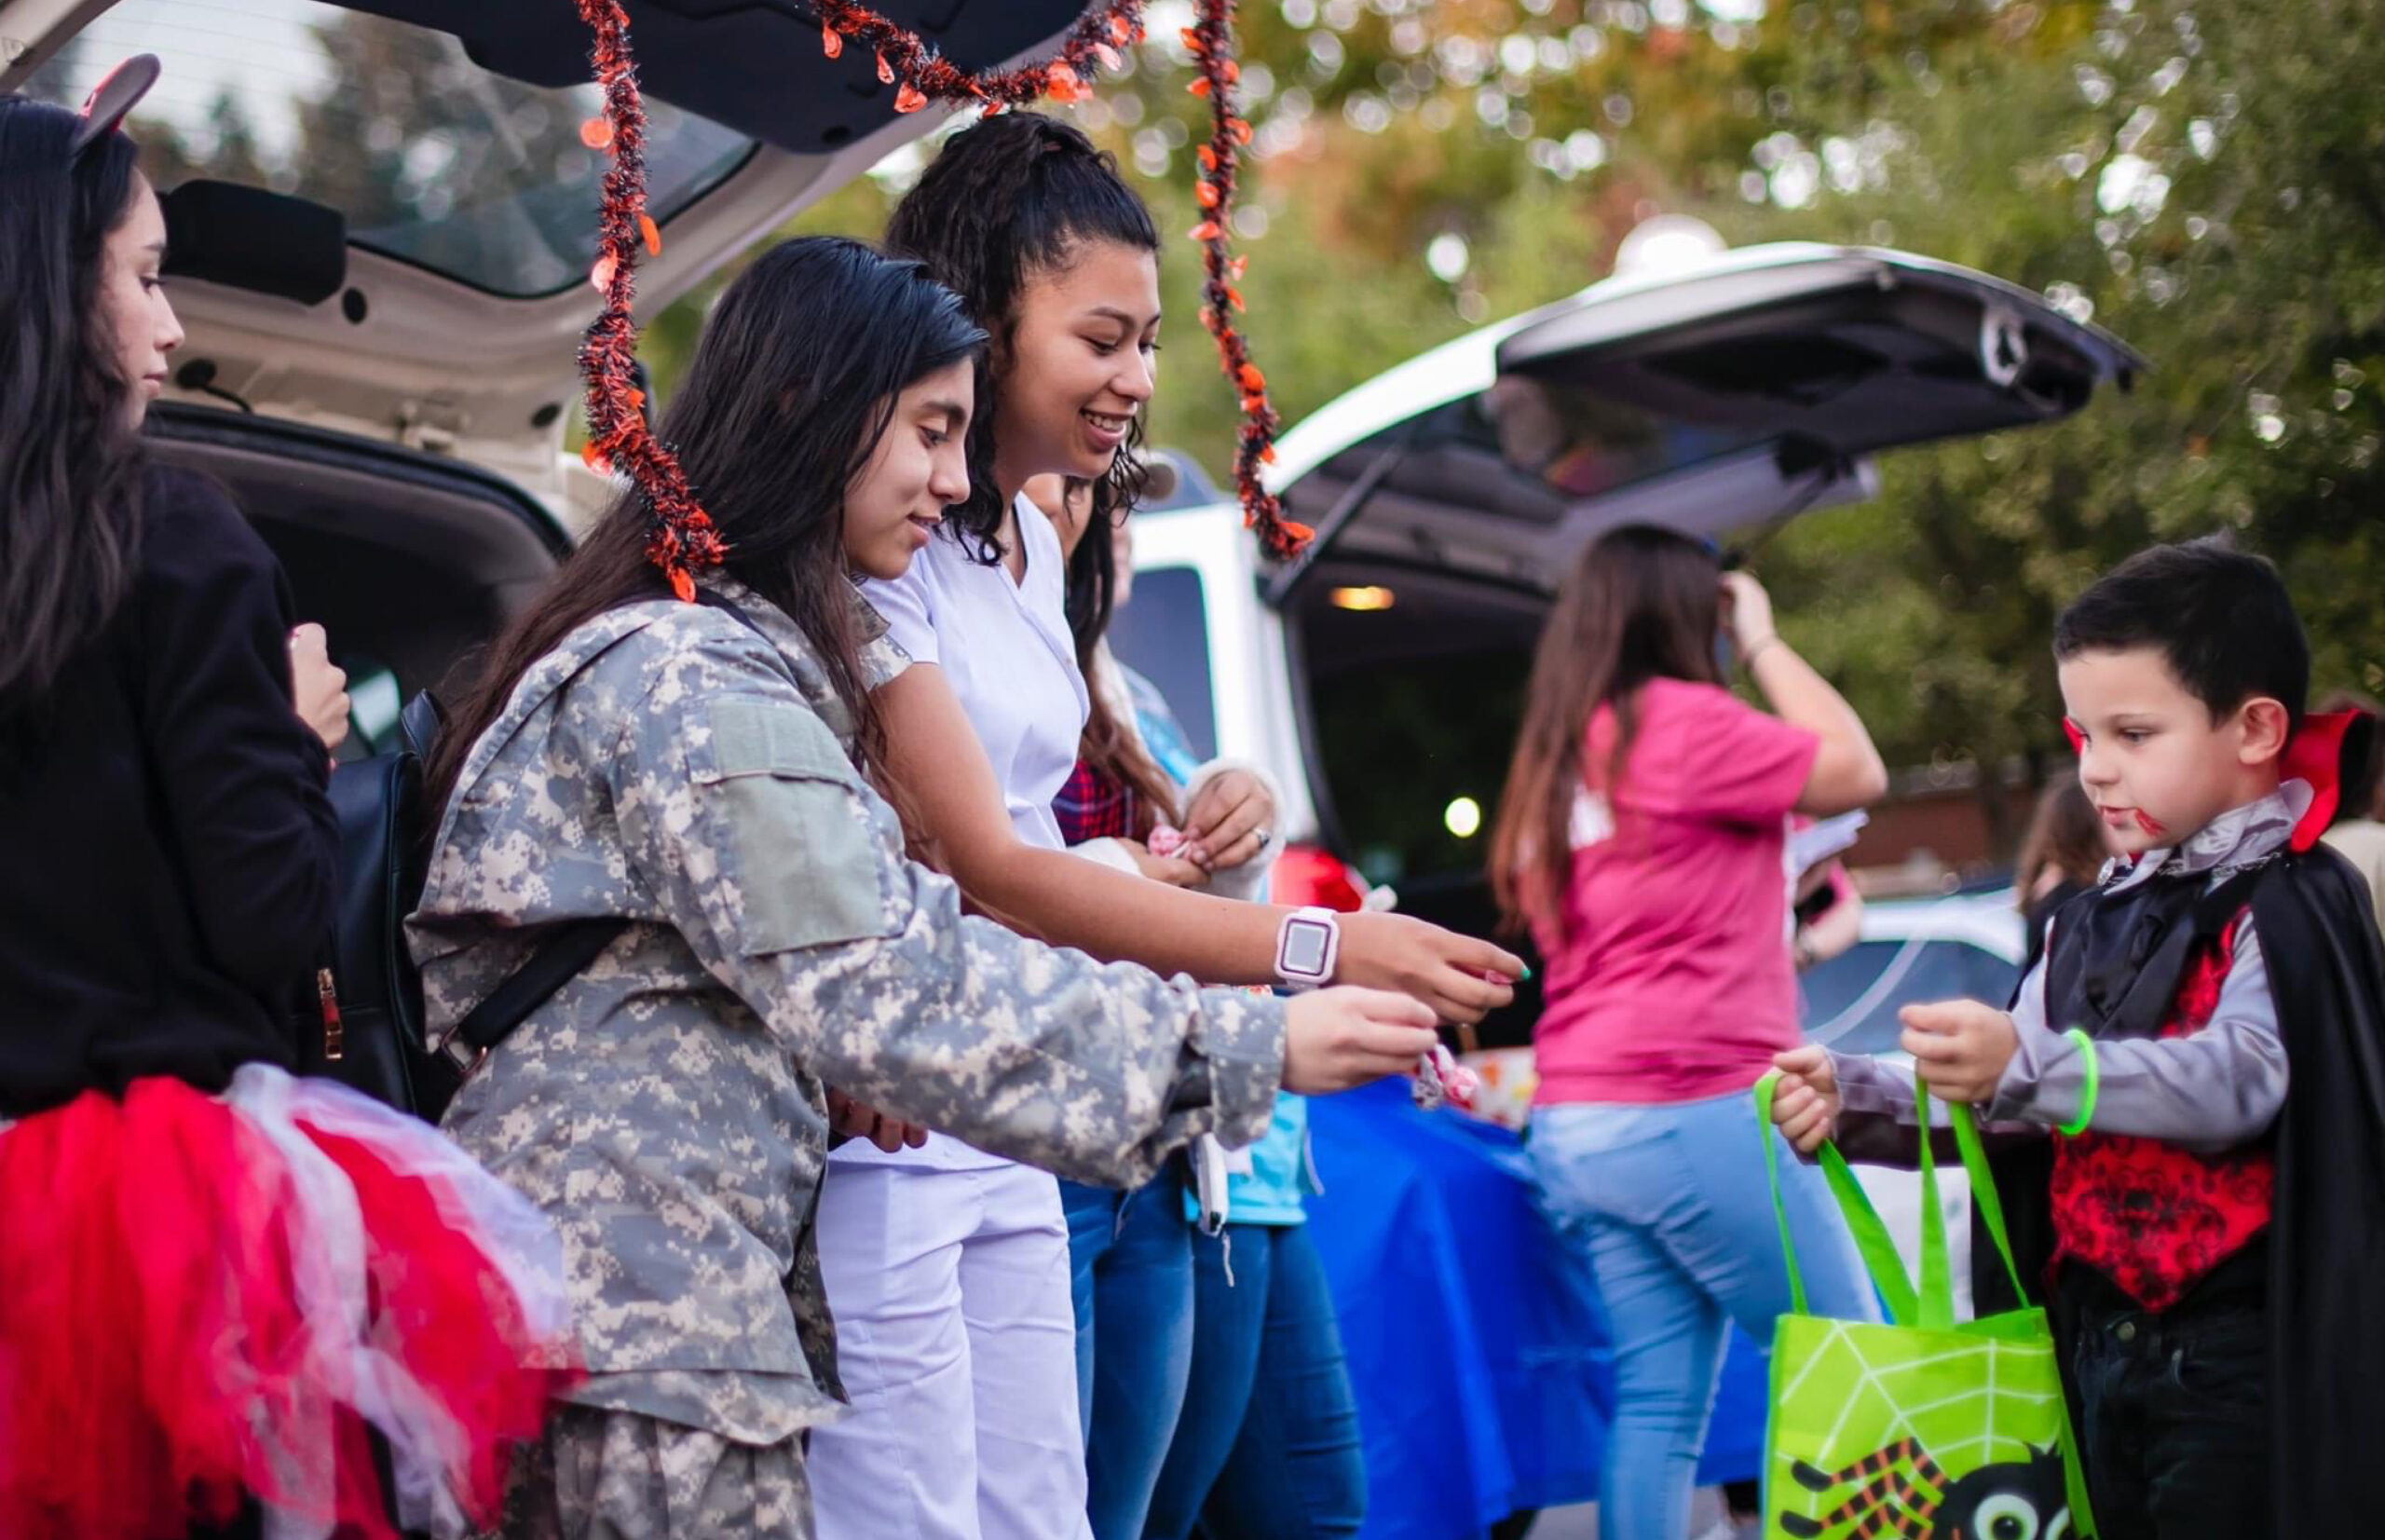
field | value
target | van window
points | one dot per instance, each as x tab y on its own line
1582	443
1164	635
1851	1001
434	160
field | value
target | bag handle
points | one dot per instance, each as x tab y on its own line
1984	1198
1937	1302
1872	1239
1932	1304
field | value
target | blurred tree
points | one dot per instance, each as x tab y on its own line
2202	176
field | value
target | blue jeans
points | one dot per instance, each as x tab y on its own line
1131	1265
1668	1204
1268	1447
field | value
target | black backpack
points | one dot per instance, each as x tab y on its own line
363	1025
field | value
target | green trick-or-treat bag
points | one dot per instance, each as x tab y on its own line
1923	1427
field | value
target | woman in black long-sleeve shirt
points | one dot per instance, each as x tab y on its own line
170	851
213	1276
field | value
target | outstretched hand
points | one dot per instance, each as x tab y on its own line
1338	1038
1459	978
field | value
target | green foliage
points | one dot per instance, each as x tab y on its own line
2204	177
2245	267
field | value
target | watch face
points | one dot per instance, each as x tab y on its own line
1304	945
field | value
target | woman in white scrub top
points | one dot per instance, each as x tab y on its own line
947	1270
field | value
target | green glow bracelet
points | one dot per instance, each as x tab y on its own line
2095	1081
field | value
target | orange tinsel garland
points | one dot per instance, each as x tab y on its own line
684	540
926	75
1211	41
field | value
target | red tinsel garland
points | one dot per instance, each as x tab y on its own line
684	540
927	76
1211	40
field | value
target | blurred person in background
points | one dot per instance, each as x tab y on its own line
2061	856
2358	833
216	1277
1266	1444
1642	839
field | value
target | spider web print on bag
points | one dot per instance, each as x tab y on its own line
1927	1428
1961	1439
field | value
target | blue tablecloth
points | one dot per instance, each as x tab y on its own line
1475	1341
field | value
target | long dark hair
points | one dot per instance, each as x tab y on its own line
1642	604
1013	195
70	457
2066	834
792	386
1110	746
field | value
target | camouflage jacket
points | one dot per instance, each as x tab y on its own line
668	763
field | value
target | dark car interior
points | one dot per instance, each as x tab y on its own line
1410	714
755	68
408	559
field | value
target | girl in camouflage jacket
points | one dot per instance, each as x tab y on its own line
710	772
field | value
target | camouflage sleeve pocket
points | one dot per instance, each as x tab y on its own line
799	853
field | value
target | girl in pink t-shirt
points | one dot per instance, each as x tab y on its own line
1643	841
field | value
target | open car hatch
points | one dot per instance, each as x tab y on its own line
382	213
1741	393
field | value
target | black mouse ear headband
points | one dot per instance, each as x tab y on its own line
117	94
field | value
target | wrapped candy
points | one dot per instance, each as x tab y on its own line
1441	1078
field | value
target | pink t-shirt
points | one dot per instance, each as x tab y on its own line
1672	981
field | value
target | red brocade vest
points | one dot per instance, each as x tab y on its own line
2154	1218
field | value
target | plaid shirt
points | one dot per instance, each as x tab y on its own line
1093	806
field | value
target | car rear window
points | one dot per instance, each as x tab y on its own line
1581	442
1851	1001
1163	634
434	160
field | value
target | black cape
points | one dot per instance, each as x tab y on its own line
2326	1242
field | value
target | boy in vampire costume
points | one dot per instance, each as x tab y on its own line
2186	1099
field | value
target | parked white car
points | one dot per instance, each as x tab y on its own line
1969	945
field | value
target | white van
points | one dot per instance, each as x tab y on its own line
1381	676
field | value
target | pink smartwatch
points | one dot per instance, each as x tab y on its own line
1307	947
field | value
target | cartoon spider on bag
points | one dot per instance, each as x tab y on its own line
1905	1493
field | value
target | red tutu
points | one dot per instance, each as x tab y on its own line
207	1298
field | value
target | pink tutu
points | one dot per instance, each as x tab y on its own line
204	1299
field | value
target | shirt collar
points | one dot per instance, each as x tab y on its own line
2242	836
880	659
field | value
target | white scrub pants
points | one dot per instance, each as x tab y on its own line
957	1340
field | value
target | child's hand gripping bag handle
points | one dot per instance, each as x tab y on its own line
1932	1304
1872	1240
